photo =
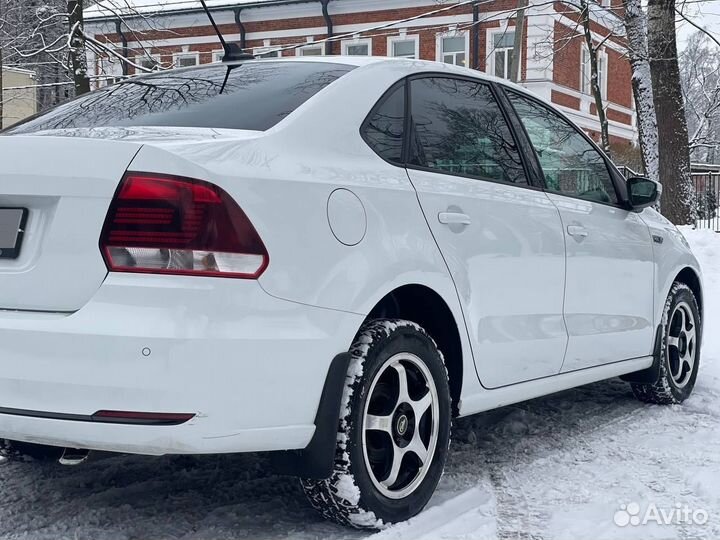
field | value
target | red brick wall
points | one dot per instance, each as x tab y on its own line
566	63
619	79
565	100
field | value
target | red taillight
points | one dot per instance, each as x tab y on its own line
170	225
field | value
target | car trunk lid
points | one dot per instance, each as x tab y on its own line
66	185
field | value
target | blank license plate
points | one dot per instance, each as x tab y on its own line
12	224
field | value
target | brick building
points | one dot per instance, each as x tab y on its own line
478	34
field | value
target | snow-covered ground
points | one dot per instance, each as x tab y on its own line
553	468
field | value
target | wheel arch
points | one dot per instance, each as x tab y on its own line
689	277
425	307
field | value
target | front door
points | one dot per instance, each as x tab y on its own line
609	291
501	238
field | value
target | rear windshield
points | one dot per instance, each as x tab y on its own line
253	95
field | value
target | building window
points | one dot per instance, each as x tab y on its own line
586	72
453	50
404	47
217	56
186	59
311	50
502	53
150	63
357	47
267	52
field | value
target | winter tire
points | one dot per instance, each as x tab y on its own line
680	350
22	451
394	429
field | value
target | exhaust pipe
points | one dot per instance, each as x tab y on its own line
73	456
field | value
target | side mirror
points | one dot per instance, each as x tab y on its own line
642	192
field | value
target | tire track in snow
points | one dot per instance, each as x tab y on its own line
470	514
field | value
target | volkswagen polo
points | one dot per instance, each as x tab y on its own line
327	260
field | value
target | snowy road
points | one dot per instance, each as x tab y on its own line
557	467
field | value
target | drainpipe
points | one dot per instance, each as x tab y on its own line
476	36
241	27
124	41
329	24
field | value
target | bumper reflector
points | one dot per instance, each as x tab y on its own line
142	418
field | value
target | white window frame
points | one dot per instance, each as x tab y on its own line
440	54
257	51
177	56
217	56
403	37
585	72
347	43
321	46
491	50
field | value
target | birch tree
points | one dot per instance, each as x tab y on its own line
636	32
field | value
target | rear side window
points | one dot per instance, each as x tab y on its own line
252	95
459	128
384	129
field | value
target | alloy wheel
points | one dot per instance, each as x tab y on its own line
400	425
682	344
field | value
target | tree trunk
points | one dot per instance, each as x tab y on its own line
78	53
516	65
594	78
636	30
674	163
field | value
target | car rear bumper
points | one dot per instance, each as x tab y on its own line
248	366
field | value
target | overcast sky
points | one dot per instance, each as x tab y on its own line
705	13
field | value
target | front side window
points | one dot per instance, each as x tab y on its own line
385	128
251	95
453	50
571	165
459	128
503	46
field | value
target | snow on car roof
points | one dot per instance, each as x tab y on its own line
109	8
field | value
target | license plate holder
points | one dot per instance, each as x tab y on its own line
12	229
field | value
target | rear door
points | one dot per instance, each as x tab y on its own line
609	291
500	236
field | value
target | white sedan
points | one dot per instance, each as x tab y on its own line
327	259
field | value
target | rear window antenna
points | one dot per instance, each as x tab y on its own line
232	50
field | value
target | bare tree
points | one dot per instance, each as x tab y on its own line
77	47
636	31
674	155
593	51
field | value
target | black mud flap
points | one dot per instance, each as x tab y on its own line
650	375
316	459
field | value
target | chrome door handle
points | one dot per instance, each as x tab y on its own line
577	230
454	218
